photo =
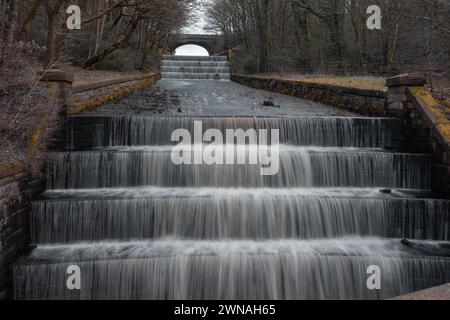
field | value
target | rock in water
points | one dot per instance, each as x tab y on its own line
268	103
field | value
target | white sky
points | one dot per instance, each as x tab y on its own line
191	50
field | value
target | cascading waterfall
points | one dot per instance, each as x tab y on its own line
140	227
97	131
226	232
184	67
171	269
299	167
257	214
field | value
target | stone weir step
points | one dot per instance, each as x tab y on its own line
91	131
288	269
194	58
195	64
196	70
184	70
63	216
289	166
196	75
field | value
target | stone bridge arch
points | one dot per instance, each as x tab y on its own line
214	44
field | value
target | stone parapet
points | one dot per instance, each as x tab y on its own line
430	123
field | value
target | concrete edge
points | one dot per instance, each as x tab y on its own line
441	293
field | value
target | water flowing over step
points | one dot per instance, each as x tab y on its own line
195	68
298	167
288	269
87	132
141	227
254	214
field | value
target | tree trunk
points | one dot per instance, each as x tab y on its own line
303	38
122	41
11	21
50	34
52	12
263	14
29	17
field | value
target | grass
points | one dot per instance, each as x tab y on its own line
370	83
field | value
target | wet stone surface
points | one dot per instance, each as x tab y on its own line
213	98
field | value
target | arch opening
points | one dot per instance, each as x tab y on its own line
191	50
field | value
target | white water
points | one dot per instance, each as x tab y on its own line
327	269
182	67
299	167
299	131
152	213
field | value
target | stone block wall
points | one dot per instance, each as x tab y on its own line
91	95
16	190
430	133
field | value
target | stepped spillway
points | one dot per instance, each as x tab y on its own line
195	68
141	227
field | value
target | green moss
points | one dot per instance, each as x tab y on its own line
34	140
430	103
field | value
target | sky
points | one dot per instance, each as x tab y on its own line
191	50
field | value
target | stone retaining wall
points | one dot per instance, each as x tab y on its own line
16	189
17	185
431	133
367	102
427	124
89	96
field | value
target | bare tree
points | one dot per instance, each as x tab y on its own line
331	35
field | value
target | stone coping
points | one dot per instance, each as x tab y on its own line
11	169
79	88
431	112
56	75
406	80
335	88
107	90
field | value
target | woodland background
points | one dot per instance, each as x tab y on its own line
324	35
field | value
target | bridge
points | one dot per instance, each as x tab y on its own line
215	44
